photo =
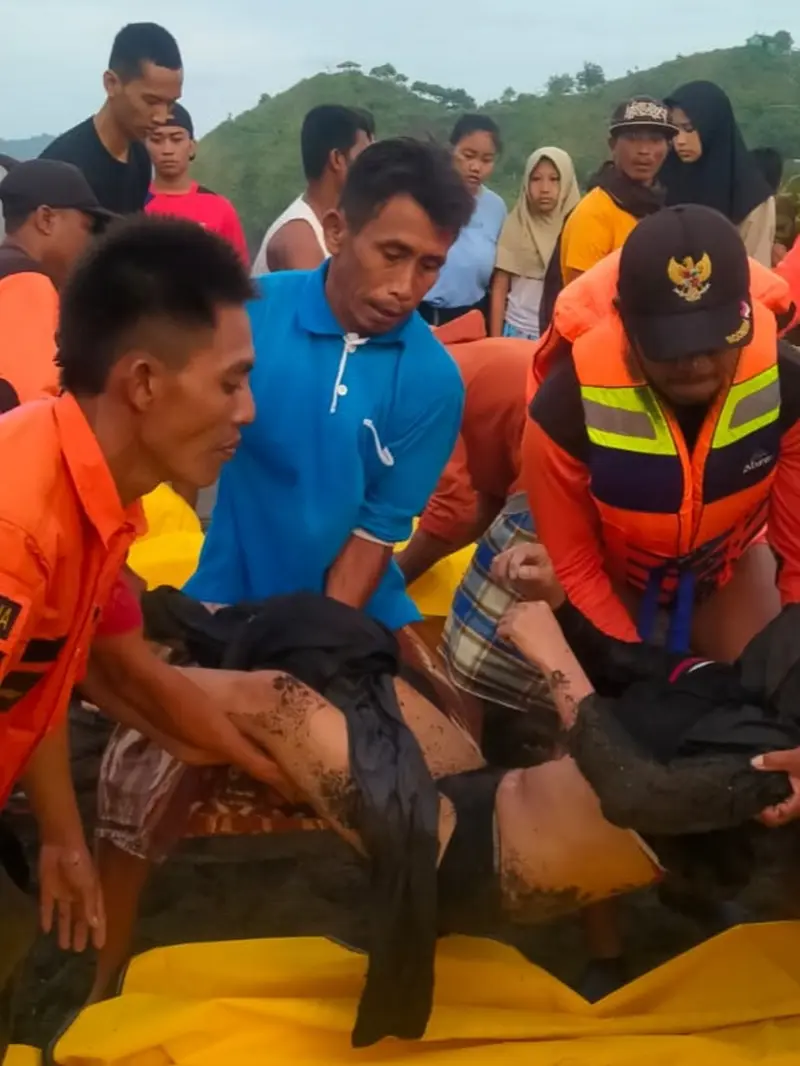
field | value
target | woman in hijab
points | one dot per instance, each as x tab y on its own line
710	165
549	192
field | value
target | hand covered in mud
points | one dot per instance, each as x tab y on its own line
532	629
70	895
526	569
789	763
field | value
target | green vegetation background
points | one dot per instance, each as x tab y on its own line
255	158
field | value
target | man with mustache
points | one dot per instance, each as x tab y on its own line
358	405
665	436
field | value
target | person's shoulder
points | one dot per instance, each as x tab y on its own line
71	141
278	293
594	204
29	434
494	206
425	353
557	406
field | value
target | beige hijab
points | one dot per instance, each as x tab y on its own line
529	239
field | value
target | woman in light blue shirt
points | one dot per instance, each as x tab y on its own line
464	281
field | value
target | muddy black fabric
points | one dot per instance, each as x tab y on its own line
17	927
667	742
351	660
468	881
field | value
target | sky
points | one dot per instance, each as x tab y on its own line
54	51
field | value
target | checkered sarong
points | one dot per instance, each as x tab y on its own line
477	660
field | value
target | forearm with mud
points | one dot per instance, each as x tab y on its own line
554	844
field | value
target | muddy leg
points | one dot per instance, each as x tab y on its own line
123	878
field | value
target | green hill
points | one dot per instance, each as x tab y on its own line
254	159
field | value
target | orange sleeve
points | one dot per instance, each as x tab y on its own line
22	594
567	524
784	516
789	270
451	509
28	323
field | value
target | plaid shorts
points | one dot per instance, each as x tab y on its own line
478	661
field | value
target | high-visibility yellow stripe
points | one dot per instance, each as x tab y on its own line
628	419
750	406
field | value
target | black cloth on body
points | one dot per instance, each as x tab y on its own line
666	742
351	660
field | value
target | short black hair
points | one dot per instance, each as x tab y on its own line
331	128
469	124
144	270
143	42
770	163
405	166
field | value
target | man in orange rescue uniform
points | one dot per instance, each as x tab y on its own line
665	434
50	213
155	352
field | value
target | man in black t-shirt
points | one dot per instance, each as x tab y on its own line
144	79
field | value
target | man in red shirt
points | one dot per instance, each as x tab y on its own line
172	149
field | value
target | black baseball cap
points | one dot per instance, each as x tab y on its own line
181	118
684	284
642	113
49	183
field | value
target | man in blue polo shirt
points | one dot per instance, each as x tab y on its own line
357	405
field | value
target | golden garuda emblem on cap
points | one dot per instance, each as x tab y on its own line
691	280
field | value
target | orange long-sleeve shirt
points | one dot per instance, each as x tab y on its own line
28	320
486	458
555	476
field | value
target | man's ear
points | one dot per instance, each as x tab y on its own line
134	376
44	219
334	227
193	152
111	83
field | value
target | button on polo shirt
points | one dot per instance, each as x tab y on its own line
64	536
350	435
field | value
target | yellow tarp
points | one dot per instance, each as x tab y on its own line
169	552
18	1055
735	1000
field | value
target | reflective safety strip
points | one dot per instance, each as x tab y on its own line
750	406
628	419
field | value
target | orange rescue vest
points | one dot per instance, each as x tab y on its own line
672	522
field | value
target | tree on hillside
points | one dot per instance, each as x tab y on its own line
386	72
777	44
450	98
509	96
783	42
590	77
560	84
348	65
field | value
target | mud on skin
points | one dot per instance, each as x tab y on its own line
526	904
339	794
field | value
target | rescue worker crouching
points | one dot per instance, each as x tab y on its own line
663	436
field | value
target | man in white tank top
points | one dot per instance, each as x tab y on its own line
331	138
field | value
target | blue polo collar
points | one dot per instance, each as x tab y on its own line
316	316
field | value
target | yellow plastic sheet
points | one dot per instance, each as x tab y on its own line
730	1002
169	552
19	1055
